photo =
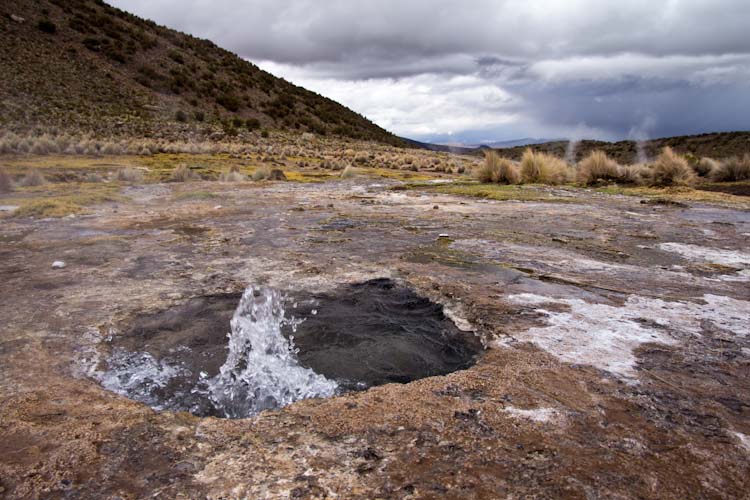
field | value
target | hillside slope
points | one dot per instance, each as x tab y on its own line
83	66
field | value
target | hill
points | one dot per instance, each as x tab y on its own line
714	145
82	66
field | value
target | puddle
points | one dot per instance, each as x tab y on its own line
282	348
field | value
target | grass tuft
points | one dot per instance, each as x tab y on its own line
183	174
597	168
542	168
33	178
129	174
261	173
670	169
732	170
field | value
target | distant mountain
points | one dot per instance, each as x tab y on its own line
82	66
444	148
513	143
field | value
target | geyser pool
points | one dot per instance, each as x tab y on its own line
282	348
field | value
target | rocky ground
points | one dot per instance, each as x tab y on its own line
617	338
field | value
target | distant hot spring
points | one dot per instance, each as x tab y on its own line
213	356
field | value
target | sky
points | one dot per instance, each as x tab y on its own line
477	71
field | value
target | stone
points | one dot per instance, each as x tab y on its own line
58	264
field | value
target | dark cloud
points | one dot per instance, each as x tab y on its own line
535	67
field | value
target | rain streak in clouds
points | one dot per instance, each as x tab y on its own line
483	70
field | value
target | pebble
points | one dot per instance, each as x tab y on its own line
58	264
218	207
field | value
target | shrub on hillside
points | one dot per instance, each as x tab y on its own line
180	116
670	169
732	170
542	168
597	167
46	26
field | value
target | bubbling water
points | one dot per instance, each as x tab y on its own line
261	370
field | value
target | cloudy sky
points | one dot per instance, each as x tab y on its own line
483	70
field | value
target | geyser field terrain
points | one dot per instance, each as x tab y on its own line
614	325
218	285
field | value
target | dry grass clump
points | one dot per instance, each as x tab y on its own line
262	173
6	183
542	168
33	178
497	169
349	172
633	174
183	174
93	177
732	170
705	166
596	168
670	169
234	175
129	174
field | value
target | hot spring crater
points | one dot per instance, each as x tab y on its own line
235	355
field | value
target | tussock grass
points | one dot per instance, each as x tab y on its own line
542	168
129	174
633	174
705	166
670	169
93	177
234	175
732	170
349	173
33	178
261	173
597	168
497	169
183	174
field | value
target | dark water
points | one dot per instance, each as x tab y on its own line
378	332
361	335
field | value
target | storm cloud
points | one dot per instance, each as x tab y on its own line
484	70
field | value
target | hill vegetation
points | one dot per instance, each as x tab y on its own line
714	145
83	67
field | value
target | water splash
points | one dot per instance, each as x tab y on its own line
261	370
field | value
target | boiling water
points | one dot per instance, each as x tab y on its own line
357	336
